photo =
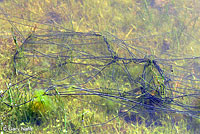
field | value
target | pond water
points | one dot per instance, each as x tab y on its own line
109	66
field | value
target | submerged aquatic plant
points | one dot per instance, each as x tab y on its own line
41	103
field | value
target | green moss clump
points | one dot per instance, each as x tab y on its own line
42	103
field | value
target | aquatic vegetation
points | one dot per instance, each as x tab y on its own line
42	103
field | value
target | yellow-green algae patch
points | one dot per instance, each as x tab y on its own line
41	103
